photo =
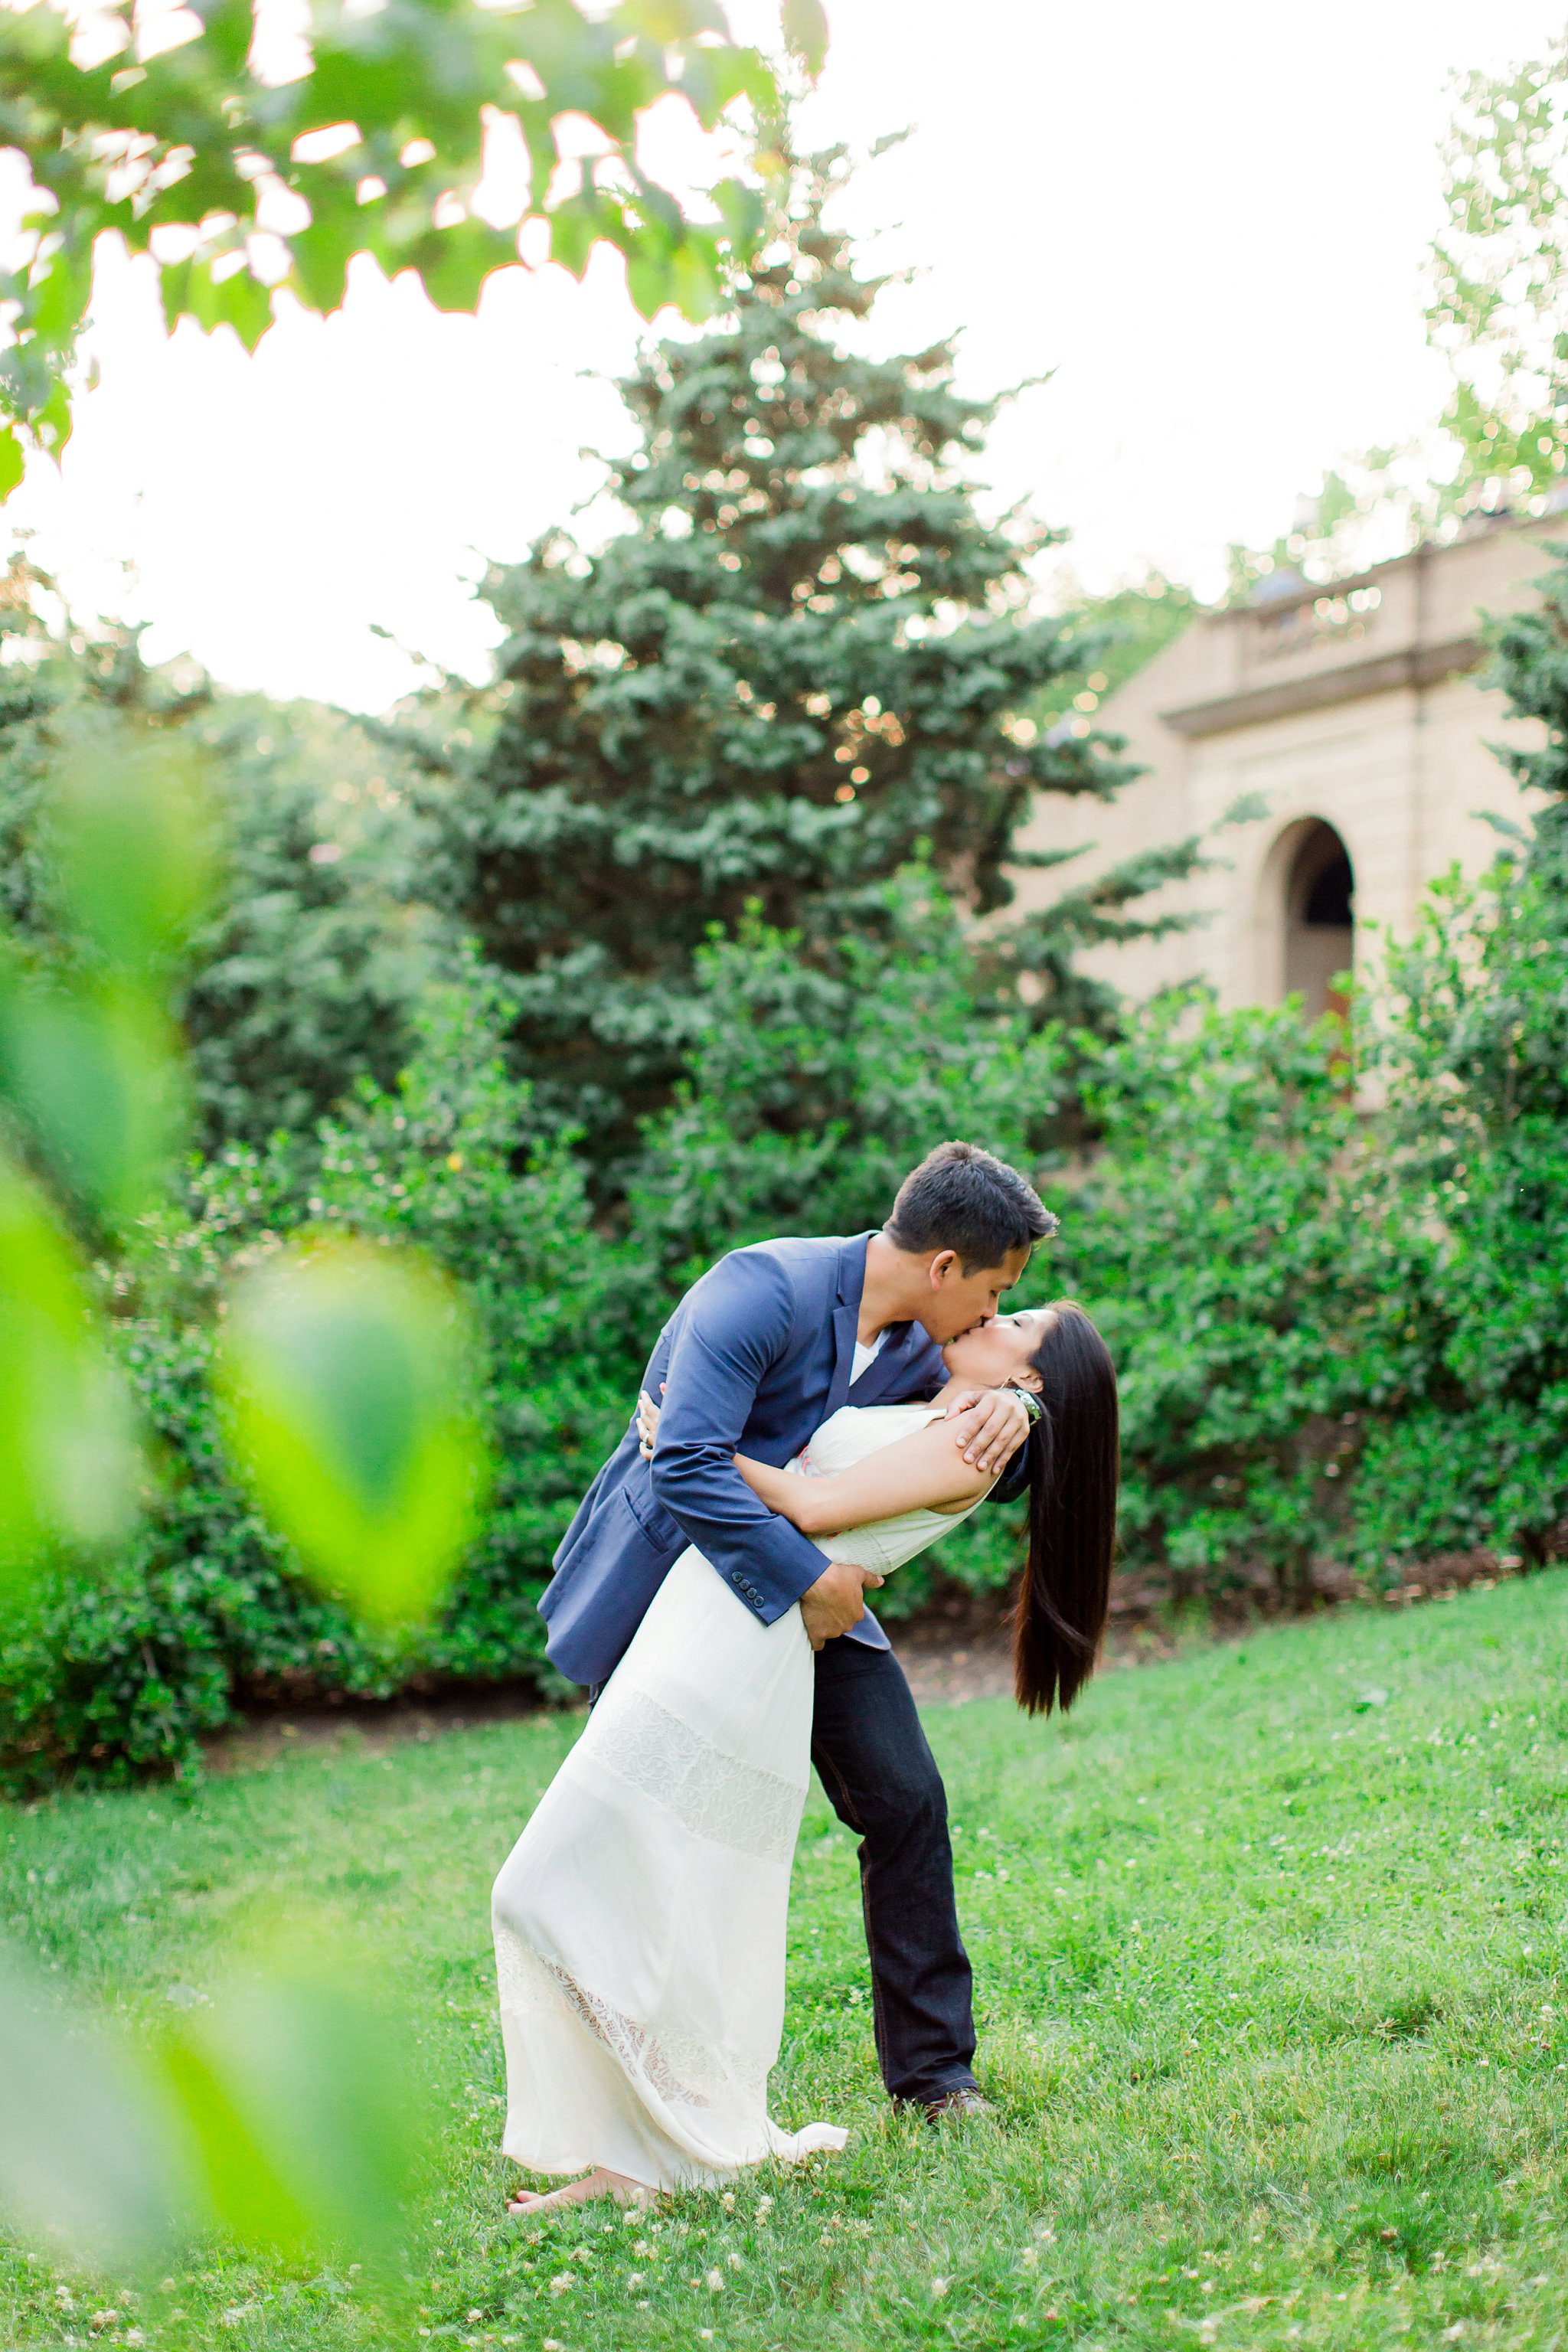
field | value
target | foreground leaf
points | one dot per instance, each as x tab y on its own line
133	838
805	32
303	2128
96	1072
86	2160
348	1373
192	135
68	1462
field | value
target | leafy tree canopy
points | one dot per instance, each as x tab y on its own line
1496	310
1500	291
241	181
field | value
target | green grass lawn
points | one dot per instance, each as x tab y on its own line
1269	1941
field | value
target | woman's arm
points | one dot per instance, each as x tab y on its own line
925	1471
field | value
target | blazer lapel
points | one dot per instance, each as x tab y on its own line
890	1375
846	1319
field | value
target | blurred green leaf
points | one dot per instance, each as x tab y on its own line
192	289
715	77
743	211
805	32
293	2088
461	259
574	225
86	2158
96	1072
135	839
61	283
348	1373
282	2112
667	21
697	286
12	461
647	282
68	1462
321	255
89	1056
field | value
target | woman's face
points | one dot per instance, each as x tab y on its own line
994	1354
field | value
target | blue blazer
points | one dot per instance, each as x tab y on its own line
756	1356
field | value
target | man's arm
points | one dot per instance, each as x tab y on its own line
736	1326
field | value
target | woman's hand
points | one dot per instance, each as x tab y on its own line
647	1422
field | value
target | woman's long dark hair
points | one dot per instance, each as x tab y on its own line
1074	1466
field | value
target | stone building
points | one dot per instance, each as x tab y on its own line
1354	716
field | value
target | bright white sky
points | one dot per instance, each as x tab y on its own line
1209	221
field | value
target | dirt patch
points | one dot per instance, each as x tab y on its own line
962	1647
955	1650
945	1675
367	1726
958	1647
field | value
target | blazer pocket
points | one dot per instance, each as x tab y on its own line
662	1531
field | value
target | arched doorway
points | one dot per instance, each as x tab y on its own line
1320	917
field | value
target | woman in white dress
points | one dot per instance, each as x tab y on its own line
640	1920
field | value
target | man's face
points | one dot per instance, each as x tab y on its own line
958	1301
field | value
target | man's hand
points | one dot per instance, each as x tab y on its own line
647	1420
835	1601
995	1423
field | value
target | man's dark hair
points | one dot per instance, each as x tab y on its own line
960	1198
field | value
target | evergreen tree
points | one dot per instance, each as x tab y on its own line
1529	652
808	659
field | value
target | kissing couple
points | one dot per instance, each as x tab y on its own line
816	1413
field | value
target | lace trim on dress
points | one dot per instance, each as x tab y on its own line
713	1795
678	2067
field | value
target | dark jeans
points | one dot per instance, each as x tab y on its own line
882	1782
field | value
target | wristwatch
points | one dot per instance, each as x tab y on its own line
1032	1404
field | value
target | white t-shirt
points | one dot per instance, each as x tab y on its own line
866	1357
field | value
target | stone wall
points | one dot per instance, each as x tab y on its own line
1357	708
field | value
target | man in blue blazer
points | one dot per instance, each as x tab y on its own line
771	1341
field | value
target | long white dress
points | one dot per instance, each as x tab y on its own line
640	1919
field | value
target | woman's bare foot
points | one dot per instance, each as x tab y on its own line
600	2182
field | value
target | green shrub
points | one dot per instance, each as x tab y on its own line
1211	1241
205	1611
813	1086
1473	1054
1342	1335
810	1094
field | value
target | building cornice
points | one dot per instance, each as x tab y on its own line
1408	666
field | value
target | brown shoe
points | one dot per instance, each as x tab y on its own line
962	2102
